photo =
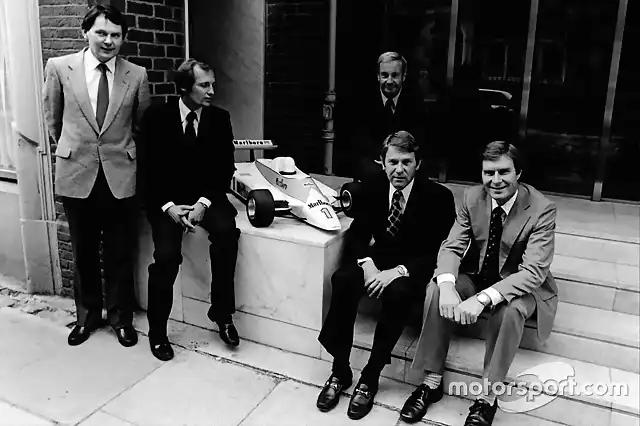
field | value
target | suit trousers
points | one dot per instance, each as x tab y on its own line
347	285
98	217
219	222
504	331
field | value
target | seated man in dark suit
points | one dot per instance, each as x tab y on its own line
497	256
386	111
408	218
188	164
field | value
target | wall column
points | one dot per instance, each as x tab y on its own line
33	165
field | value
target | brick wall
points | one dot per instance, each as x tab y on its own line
155	41
296	76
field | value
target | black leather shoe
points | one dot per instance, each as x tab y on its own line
481	413
80	334
361	402
229	334
127	335
161	350
330	393
416	405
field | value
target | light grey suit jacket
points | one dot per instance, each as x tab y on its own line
526	248
82	146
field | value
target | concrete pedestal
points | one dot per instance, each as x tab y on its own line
282	280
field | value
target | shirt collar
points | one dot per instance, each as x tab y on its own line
406	191
91	62
184	111
506	206
395	99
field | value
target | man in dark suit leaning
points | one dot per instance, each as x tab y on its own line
94	102
188	164
389	109
408	218
497	256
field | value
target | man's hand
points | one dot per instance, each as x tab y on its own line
197	213
449	299
377	283
467	312
370	270
178	213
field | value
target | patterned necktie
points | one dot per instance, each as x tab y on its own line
103	95
190	130
395	214
490	266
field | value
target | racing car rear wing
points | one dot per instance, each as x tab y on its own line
252	145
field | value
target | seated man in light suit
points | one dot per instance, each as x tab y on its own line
408	217
497	257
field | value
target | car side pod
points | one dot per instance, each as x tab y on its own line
261	208
350	198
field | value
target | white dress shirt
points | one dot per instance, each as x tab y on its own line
184	111
93	74
406	191
494	294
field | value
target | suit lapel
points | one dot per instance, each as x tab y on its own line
121	84
481	218
515	222
78	82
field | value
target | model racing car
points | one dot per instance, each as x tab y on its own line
271	187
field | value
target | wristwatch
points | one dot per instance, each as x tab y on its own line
402	270
484	299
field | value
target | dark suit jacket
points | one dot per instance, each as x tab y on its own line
428	216
526	248
174	171
372	128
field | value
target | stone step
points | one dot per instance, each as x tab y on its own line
604	250
450	411
464	365
579	332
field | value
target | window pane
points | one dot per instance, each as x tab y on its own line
622	179
484	103
572	59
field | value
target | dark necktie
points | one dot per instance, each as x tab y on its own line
190	130
490	266
388	110
395	214
103	95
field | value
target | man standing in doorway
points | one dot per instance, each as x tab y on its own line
390	109
94	101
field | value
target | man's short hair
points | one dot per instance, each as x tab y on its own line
403	141
184	76
391	57
110	12
496	149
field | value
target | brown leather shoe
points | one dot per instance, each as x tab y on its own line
229	334
330	393
80	334
127	335
481	413
361	402
161	350
416	405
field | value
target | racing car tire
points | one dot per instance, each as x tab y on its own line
350	195
260	208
